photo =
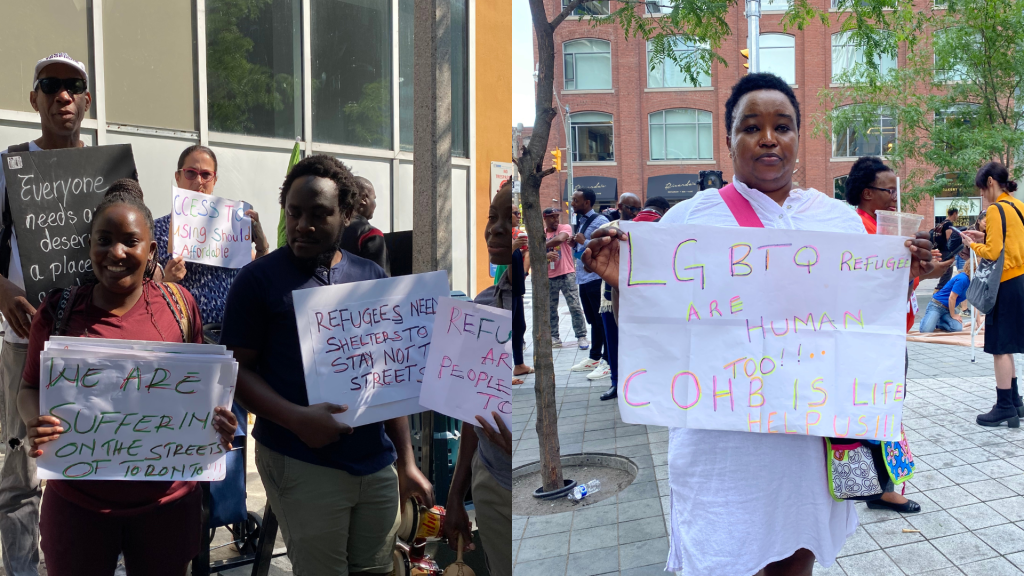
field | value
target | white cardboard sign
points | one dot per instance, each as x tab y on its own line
365	344
210	230
469	371
133	415
763	330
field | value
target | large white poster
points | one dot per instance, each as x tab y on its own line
469	370
132	411
762	330
210	230
365	344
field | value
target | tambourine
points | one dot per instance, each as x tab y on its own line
420	522
406	565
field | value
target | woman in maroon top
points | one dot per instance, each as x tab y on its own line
85	524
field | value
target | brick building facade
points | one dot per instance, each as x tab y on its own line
630	95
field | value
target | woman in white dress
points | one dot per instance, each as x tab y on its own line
754	504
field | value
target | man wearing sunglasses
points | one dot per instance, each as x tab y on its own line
60	93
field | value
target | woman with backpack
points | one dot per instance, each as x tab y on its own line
85	524
1004	324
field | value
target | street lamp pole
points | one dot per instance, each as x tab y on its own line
754	34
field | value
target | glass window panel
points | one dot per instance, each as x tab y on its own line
590	117
657	142
778	56
406	58
148	64
592	143
596	8
776	41
703	116
586	45
839	188
774	4
254	67
680	115
460	78
593	71
681	141
30	31
351	53
704	136
656	77
659	6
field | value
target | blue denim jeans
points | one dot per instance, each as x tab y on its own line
937	316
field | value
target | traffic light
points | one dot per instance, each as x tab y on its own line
557	162
746	55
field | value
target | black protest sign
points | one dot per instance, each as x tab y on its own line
53	194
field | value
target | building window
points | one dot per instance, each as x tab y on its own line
588	64
667	74
846	55
877	141
598	8
774	5
254	68
778	56
946	70
951	122
591	137
682	134
351	54
839	188
149	69
406	70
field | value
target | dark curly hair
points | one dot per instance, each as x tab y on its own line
863	173
324	166
658	202
751	83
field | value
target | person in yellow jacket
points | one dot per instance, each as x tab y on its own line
1004	325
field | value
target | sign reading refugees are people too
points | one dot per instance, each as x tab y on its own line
53	194
469	371
210	230
134	410
365	344
763	330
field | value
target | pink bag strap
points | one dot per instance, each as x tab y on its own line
740	207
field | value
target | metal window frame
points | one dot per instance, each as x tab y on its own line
573	126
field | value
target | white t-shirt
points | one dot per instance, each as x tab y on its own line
15	274
740	500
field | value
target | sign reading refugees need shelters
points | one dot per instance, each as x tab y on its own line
53	194
763	330
365	344
134	410
469	371
210	230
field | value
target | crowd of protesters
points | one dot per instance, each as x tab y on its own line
336	490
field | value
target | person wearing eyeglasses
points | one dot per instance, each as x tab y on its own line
60	94
197	171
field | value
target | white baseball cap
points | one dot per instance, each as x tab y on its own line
59	58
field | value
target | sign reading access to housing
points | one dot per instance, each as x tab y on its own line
210	230
469	371
134	410
762	330
53	194
365	344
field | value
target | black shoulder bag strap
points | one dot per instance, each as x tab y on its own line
1015	209
8	222
63	312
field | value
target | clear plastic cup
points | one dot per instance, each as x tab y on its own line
898	223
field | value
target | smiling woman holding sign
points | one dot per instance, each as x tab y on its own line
197	171
86	523
746	503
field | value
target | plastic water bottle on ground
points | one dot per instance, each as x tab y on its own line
583	490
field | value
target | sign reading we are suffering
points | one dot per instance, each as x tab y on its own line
134	410
210	230
365	344
763	330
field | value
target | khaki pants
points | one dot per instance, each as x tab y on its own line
333	522
493	518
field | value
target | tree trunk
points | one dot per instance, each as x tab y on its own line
531	169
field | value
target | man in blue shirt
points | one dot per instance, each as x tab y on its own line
334	489
941	312
587	221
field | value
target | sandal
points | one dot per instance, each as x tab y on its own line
529	370
907	507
